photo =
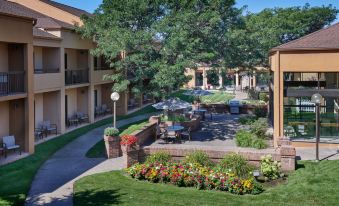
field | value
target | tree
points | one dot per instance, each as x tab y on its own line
161	39
272	27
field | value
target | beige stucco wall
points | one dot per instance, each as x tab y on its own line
38	58
82	100
72	40
39	109
310	61
48	82
51	107
98	76
72	101
16	30
4	118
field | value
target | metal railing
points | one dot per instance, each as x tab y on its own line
12	82
102	68
78	76
46	70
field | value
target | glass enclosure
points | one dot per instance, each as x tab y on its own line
299	111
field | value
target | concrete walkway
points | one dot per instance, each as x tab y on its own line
53	183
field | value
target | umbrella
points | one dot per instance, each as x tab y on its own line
172	104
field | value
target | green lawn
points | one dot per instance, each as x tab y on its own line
216	97
98	150
311	184
16	178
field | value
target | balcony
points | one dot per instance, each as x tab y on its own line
76	76
46	71
12	82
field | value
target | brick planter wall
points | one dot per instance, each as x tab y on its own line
284	154
112	145
146	134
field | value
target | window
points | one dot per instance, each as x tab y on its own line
66	61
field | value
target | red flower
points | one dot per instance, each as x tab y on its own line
128	140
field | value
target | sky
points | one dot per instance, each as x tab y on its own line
253	5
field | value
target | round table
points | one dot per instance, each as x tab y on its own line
201	112
175	128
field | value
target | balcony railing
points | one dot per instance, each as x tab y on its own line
44	71
78	76
12	82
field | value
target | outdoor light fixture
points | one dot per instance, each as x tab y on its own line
316	99
256	173
115	97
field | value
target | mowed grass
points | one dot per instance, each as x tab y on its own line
16	178
312	184
98	150
215	98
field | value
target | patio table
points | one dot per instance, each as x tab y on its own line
175	128
200	111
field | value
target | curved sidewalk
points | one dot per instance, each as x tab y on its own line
53	183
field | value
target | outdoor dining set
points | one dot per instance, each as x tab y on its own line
174	133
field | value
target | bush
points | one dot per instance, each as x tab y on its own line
248	139
159	157
247	120
111	131
198	157
260	111
243	138
259	143
263	96
269	168
237	164
259	128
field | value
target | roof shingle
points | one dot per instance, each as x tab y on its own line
75	11
327	38
40	33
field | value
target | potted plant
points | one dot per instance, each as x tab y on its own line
128	143
111	138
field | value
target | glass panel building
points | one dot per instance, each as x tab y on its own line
299	111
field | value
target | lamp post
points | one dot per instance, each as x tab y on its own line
115	97
316	99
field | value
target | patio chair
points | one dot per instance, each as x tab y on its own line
9	144
49	128
98	111
82	117
38	134
105	109
73	120
187	133
302	130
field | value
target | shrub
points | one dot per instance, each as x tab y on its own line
237	164
263	96
259	128
198	157
243	138
259	143
260	111
159	157
248	139
111	131
247	120
269	168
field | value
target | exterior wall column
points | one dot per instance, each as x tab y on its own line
62	121
204	78
90	98
236	80
278	108
29	103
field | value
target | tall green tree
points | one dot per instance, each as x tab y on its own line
161	39
271	27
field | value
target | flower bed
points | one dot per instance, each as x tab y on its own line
193	175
